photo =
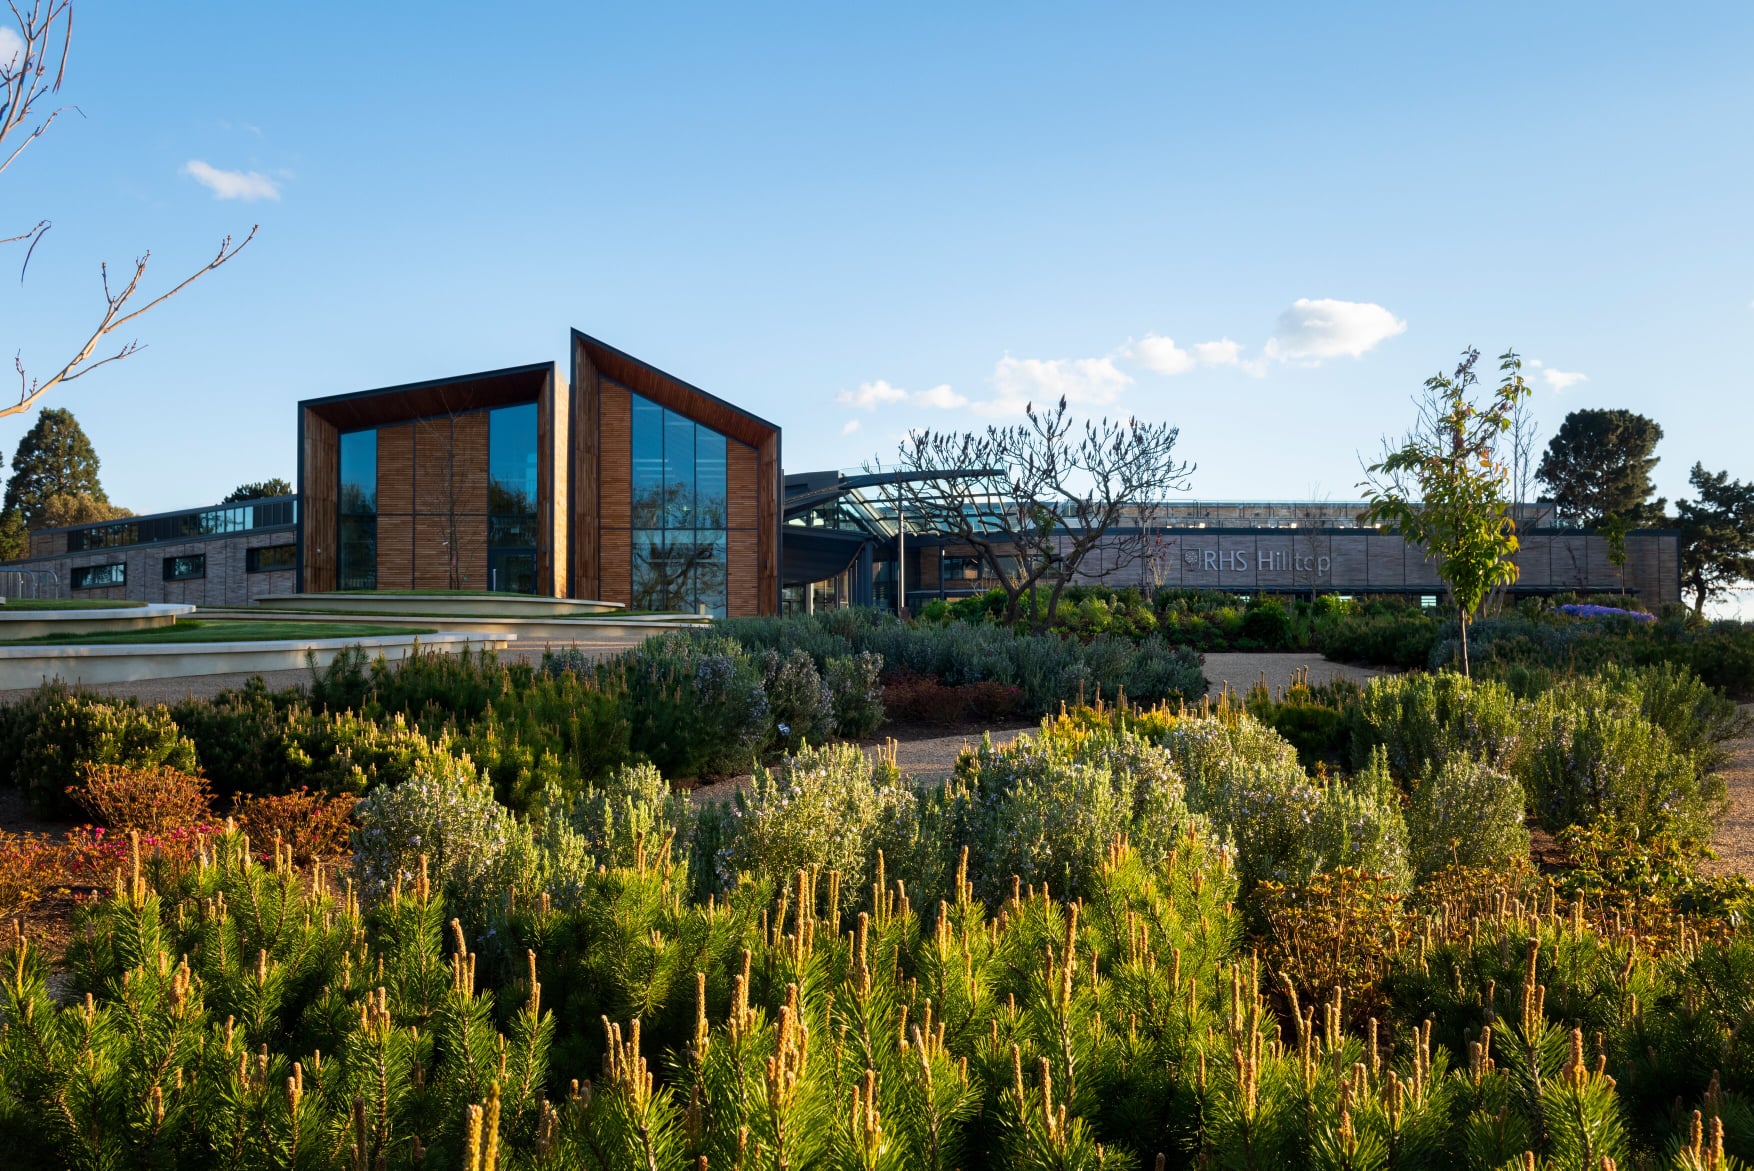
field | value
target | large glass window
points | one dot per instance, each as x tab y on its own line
511	499
678	512
358	507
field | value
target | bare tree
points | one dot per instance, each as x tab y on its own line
34	73
1035	499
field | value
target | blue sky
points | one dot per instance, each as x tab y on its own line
1266	224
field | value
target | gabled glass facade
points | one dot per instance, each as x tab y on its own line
679	512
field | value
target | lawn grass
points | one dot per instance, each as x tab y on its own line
16	604
222	630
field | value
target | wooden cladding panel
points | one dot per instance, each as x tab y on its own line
469	472
432	465
615	458
432	552
767	525
319	480
584	502
742	465
395	552
551	489
741	571
472	553
615	578
396	469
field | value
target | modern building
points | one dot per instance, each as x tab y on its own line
624	484
619	482
228	555
846	527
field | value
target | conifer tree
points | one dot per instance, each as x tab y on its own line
55	458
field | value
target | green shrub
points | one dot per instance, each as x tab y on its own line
1463	813
695	705
447	813
1047	808
1266	623
830	806
855	684
1590	760
799	703
631	814
57	733
1420	719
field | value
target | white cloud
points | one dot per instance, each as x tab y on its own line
871	395
1312	330
1557	380
1085	382
1155	352
941	397
245	185
11	48
849	427
1222	352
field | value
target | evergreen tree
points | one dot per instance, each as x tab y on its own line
14	537
258	491
1598	466
54	458
1717	535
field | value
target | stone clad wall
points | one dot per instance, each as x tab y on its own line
1364	561
227	581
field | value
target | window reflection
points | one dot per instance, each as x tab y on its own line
679	509
511	499
357	565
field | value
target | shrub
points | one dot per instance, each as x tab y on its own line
855	684
28	862
153	800
1046	809
1420	719
59	736
831	806
798	702
1266	623
695	704
1338	930
631	813
1463	813
1588	761
919	699
446	812
312	825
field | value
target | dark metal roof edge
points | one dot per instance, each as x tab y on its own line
550	367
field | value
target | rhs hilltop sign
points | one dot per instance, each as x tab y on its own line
1265	560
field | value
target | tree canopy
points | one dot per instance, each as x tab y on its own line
78	508
1717	536
55	458
1598	465
260	490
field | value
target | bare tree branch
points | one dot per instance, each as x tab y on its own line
1035	500
45	31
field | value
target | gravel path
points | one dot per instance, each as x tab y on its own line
1734	841
1242	670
